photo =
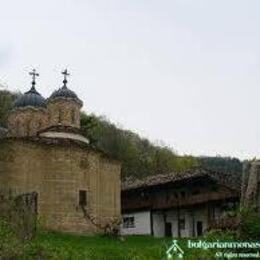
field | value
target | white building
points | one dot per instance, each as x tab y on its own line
177	205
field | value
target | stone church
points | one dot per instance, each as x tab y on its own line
43	151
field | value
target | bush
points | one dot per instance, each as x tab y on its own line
250	228
219	234
10	245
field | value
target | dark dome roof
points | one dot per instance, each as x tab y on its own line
31	98
64	93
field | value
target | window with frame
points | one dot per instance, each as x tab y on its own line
83	198
129	222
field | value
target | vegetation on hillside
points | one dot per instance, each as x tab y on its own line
6	100
221	164
138	155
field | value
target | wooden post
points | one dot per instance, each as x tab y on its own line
178	224
151	222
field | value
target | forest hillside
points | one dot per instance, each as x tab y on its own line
139	156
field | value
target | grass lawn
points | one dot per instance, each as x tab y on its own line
66	246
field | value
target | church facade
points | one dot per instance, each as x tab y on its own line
43	151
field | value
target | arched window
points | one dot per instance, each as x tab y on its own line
28	128
60	116
18	127
40	124
73	116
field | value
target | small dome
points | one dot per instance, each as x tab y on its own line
31	98
64	93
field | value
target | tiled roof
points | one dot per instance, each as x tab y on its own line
230	180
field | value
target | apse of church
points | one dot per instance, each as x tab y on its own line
78	186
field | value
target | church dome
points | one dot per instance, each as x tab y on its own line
64	92
30	98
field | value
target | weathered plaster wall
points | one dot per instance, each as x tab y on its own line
142	222
191	217
158	224
27	121
57	173
65	112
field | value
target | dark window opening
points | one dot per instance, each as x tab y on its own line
82	198
128	222
183	194
168	229
199	228
214	187
195	192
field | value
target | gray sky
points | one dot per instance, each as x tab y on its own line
182	71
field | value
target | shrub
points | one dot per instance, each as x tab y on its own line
10	245
250	228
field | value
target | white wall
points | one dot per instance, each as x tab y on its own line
199	214
172	217
158	224
142	224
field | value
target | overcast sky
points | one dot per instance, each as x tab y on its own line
185	72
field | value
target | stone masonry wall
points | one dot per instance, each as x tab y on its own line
57	173
65	112
27	121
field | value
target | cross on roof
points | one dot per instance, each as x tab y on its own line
65	73
34	74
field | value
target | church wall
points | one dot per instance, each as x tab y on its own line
58	173
65	112
26	122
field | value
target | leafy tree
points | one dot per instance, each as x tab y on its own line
221	164
6	100
139	157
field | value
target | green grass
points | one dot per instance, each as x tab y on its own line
67	246
50	245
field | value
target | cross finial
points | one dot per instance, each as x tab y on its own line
65	73
34	74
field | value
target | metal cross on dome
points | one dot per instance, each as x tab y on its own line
66	74
34	74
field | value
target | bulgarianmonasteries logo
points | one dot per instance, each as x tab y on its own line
174	250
